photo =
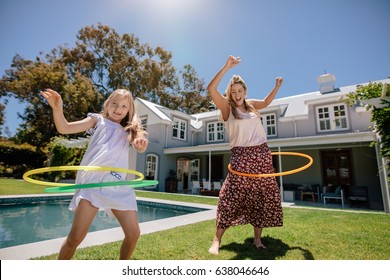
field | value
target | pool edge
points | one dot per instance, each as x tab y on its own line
52	246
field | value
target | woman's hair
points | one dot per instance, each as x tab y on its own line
131	122
236	79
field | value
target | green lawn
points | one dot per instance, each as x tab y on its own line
307	234
15	186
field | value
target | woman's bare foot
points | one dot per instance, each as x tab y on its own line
259	245
214	249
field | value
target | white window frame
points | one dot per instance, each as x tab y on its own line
151	166
270	124
215	131
180	126
332	117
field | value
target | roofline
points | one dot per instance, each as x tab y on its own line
163	120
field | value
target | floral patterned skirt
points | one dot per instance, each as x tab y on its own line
250	200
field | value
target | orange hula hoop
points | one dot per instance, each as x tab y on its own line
288	172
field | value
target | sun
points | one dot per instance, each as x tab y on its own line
174	9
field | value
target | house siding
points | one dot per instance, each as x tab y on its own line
297	130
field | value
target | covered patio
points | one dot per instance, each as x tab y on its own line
348	161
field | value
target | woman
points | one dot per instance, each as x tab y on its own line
244	199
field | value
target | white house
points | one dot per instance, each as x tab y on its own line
338	137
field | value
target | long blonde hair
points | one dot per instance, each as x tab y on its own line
131	123
236	79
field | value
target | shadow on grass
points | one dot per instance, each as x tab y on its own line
275	249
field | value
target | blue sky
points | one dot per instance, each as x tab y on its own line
296	39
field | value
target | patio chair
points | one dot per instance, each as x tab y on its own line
206	185
358	196
195	187
217	185
337	194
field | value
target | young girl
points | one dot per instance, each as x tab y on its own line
112	132
244	200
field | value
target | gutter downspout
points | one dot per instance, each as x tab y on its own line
166	136
295	127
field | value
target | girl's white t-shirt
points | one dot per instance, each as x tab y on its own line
244	132
108	146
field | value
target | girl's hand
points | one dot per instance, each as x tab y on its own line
233	61
53	98
140	144
279	81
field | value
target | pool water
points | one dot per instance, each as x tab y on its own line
32	222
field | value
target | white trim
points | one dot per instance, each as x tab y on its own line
155	156
179	129
266	126
339	138
215	132
332	118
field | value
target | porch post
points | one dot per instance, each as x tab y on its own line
281	177
210	167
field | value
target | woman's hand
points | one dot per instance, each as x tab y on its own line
279	81
232	61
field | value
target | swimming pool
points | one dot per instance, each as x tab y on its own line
27	222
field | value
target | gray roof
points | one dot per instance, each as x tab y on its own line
292	107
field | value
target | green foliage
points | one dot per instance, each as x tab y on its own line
113	61
380	112
2	108
60	155
25	81
367	92
18	158
381	116
193	96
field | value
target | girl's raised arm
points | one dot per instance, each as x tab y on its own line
62	125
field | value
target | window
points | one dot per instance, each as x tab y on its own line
144	121
151	167
215	132
179	129
269	124
332	118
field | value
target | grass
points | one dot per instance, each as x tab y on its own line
15	186
307	234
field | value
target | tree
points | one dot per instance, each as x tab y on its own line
380	115
2	108
86	74
27	78
193	98
112	61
